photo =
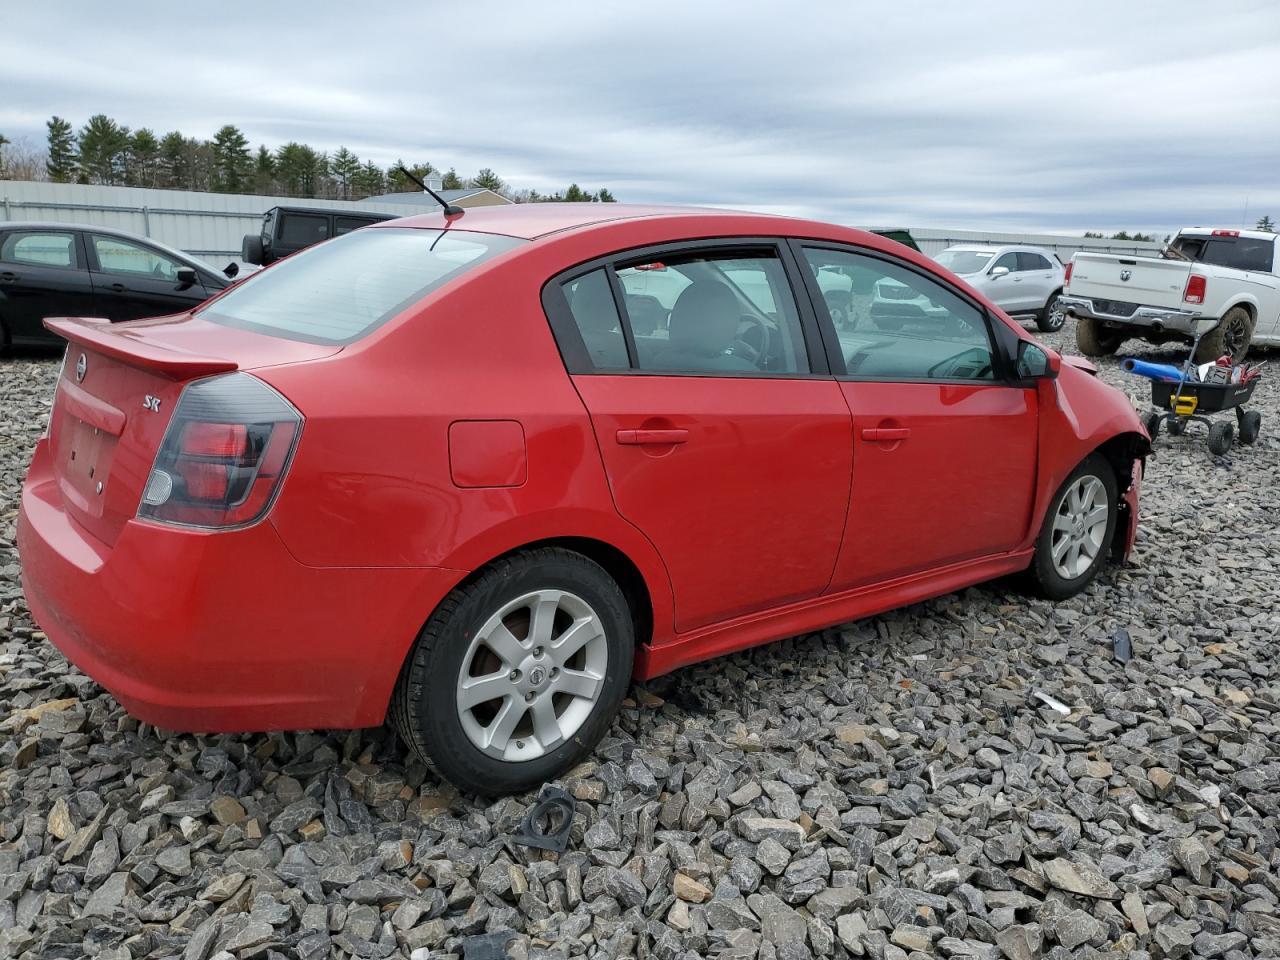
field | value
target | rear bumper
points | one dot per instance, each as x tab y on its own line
218	632
1157	319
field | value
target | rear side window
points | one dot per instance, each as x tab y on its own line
303	229
338	292
343	225
1238	253
39	249
1032	261
596	315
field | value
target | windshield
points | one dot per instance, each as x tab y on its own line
964	261
336	292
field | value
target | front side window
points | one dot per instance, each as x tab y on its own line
1008	260
915	328
122	258
340	291
303	229
964	261
720	312
39	249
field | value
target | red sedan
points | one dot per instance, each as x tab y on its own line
477	473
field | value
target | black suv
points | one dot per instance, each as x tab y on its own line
287	230
67	270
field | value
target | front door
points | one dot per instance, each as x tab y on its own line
132	281
42	274
944	449
721	441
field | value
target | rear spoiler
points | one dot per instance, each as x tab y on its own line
129	345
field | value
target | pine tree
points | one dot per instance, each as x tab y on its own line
451	180
345	165
369	181
1264	223
604	196
144	158
232	165
62	163
264	171
104	150
486	179
173	167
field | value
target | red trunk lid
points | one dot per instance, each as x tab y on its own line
117	391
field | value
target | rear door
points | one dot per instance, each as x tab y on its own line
944	446
42	274
132	280
723	436
1037	278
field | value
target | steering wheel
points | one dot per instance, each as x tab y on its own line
752	340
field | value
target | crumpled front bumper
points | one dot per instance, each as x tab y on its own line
1155	318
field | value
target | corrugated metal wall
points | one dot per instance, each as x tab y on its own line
205	225
211	225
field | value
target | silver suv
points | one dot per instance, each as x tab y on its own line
1021	281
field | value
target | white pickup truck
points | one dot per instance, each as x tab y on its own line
1232	276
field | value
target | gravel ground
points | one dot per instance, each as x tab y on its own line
887	788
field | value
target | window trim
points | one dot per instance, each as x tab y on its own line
573	350
1004	370
79	263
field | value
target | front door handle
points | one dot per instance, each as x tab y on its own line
654	437
8	277
885	434
117	287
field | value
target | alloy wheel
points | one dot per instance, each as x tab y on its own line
1079	527
1235	338
1057	316
532	675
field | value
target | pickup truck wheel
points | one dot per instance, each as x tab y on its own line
1052	317
518	673
1230	338
1094	340
1076	536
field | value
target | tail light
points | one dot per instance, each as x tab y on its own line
1226	233
1066	277
223	456
1195	289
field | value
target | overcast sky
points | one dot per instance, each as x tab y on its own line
1024	115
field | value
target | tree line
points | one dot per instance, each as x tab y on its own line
1264	224
104	151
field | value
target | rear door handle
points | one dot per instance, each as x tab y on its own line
117	287
885	434
8	277
642	437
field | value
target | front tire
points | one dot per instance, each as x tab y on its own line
518	673
1230	338
1053	316
1094	340
1076	536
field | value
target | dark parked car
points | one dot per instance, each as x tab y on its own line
287	230
61	270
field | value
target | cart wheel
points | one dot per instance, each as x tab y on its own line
1250	425
1220	437
1151	420
1177	426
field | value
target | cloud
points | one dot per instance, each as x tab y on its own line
1090	115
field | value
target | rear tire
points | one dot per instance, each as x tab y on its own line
1094	340
1078	526
1230	337
509	632
1221	434
1052	317
1250	426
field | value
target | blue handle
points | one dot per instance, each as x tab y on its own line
1152	371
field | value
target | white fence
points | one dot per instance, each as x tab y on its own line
211	225
205	225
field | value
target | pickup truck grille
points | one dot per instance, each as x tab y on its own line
1114	308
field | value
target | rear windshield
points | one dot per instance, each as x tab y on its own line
336	292
1239	253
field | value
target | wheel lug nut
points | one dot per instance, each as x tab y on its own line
537	651
555	672
514	675
528	697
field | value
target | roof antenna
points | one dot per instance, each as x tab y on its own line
450	209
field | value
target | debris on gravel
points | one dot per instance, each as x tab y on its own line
886	789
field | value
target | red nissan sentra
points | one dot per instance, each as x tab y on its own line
477	473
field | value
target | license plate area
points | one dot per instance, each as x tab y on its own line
84	458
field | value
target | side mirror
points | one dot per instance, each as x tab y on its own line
186	277
998	272
230	270
1036	363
